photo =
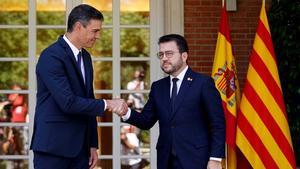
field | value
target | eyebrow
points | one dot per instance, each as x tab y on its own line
96	30
166	51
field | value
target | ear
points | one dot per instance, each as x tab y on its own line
77	26
184	56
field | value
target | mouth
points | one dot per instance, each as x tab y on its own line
166	64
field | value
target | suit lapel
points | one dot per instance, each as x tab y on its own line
78	71
165	94
88	69
183	90
70	55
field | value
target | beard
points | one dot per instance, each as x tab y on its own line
171	68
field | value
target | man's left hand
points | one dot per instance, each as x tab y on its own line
212	164
93	158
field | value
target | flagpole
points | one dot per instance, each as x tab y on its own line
226	146
226	151
226	158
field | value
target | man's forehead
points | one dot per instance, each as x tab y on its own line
94	22
168	45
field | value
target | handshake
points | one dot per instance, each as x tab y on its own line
117	106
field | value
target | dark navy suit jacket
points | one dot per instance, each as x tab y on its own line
65	115
196	129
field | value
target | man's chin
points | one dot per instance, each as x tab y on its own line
89	45
168	71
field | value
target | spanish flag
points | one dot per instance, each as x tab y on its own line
224	74
263	134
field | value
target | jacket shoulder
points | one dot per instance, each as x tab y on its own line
200	76
161	81
56	50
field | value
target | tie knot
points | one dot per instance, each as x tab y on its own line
174	80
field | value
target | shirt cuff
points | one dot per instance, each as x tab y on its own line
215	159
127	115
104	104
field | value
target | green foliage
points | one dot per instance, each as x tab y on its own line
14	18
130	18
14	43
45	37
135	43
50	18
12	72
145	136
107	17
284	16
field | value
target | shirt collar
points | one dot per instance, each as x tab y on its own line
181	74
73	48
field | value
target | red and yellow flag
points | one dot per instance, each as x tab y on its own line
263	134
224	74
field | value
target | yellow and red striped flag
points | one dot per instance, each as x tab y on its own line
263	134
224	74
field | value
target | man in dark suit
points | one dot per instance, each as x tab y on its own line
65	126
189	111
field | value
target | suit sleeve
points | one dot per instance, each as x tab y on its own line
213	105
147	118
52	71
94	126
94	132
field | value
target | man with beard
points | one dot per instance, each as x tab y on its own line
188	109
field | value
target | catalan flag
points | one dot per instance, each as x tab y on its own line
263	134
224	74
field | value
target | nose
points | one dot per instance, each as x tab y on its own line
97	36
164	57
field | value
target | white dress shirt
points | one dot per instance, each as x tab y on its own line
179	81
75	52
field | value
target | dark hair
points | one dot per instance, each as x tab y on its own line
83	13
180	41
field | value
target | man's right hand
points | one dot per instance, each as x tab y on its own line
117	106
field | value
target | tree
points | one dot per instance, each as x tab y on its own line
284	16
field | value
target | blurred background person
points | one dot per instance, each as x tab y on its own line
14	140
130	146
4	110
137	100
19	106
130	135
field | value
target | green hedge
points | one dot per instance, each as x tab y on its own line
284	19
